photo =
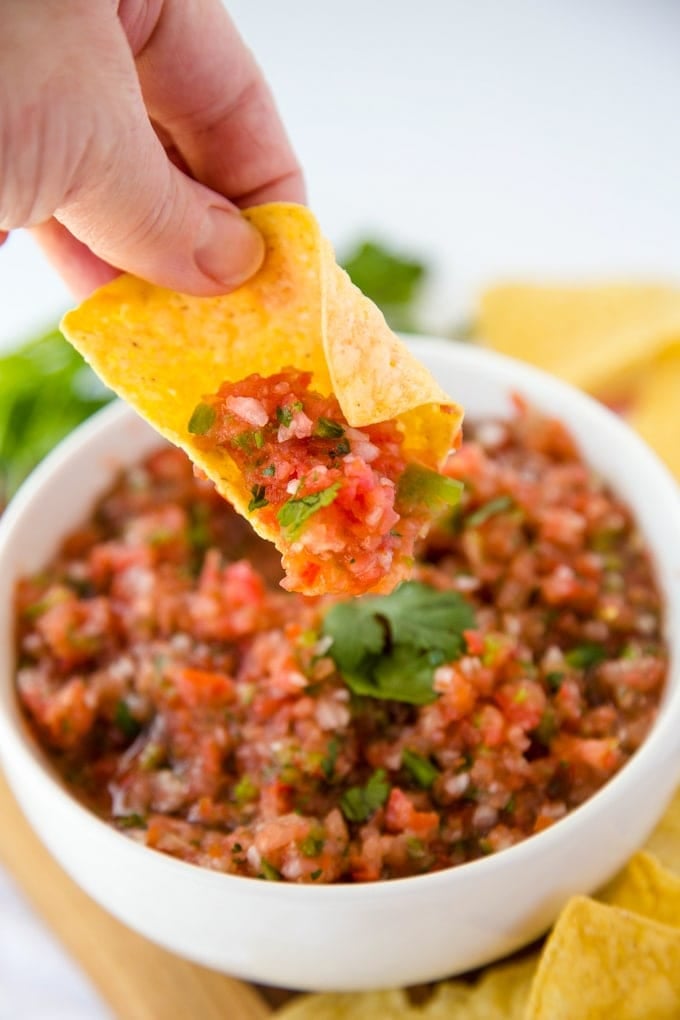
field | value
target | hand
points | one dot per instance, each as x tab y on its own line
130	134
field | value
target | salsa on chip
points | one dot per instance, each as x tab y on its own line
294	397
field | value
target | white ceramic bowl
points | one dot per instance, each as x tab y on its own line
353	936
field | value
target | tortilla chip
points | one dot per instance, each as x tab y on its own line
374	385
386	1005
654	412
163	352
596	337
501	993
601	962
664	841
646	887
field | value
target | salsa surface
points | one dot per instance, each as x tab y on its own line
207	713
345	504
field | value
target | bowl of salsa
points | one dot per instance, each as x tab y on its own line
344	793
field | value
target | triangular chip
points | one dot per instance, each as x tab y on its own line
664	842
646	887
596	337
601	961
655	409
380	1005
501	993
165	353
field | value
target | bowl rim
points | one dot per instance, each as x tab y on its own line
17	746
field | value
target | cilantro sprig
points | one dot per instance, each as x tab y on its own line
46	389
295	512
360	802
394	281
389	646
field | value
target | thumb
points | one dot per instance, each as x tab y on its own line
136	210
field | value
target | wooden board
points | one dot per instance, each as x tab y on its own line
137	979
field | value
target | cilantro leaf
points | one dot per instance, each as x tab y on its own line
259	499
284	414
295	512
427	619
202	419
46	389
407	675
420	769
360	802
389	646
586	655
355	634
125	721
487	510
392	281
326	428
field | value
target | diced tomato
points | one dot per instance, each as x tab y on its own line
402	816
201	687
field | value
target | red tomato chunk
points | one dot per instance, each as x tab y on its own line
200	709
331	491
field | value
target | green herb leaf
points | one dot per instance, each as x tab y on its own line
421	769
125	721
312	845
269	471
586	655
330	758
547	728
284	415
328	429
269	872
490	509
357	632
258	498
360	802
245	790
425	618
295	513
342	449
554	680
202	419
392	281
132	821
46	389
389	646
419	486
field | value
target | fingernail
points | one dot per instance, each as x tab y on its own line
229	250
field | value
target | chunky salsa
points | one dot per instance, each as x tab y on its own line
346	503
210	715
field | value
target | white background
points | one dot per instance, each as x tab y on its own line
496	138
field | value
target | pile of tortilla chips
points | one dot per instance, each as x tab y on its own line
163	352
621	342
614	957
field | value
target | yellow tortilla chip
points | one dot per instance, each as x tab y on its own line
596	337
646	887
375	384
386	1005
163	352
501	993
655	407
602	962
664	841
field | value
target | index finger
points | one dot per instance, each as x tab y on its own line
202	85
